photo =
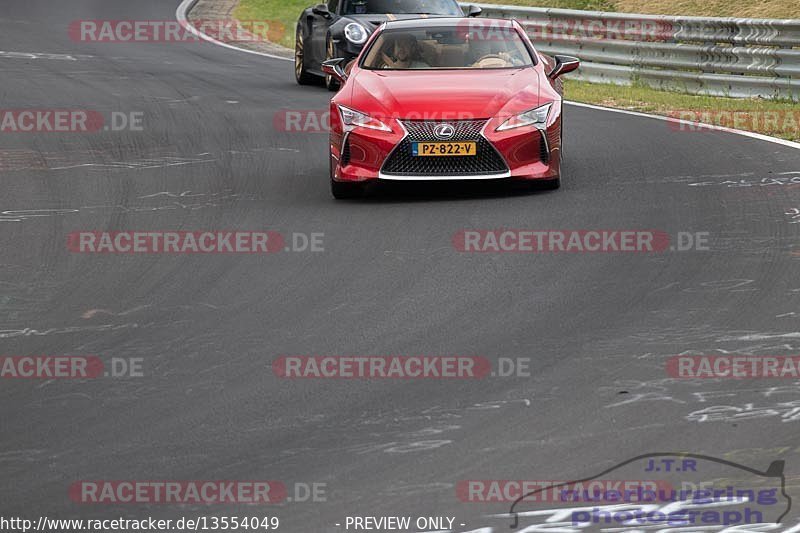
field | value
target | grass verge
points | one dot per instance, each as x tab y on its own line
770	117
284	11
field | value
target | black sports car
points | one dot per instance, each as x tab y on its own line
341	27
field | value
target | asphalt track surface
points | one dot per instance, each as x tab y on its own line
597	328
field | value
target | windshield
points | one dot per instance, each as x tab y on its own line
402	7
454	47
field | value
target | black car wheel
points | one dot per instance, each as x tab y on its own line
301	75
344	190
549	185
330	53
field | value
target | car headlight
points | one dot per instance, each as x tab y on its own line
356	33
352	118
535	117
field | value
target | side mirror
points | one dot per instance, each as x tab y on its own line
564	64
333	67
474	11
321	10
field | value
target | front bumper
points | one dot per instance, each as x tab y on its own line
523	154
416	177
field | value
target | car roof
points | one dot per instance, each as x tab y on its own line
447	21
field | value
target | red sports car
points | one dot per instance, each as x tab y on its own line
447	99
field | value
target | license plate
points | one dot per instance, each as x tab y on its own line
444	149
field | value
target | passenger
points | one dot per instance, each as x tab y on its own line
488	54
479	49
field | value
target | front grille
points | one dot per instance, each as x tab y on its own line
487	161
422	130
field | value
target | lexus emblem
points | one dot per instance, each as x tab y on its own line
444	132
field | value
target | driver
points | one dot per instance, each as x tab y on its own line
403	53
486	53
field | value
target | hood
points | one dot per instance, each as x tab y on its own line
372	20
449	93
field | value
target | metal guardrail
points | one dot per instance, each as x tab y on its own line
736	57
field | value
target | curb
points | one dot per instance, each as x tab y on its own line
182	15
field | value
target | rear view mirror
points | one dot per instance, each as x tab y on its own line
333	67
564	64
321	10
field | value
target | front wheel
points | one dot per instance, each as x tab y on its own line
343	190
549	185
300	73
330	53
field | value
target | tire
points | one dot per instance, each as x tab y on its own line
345	191
548	185
300	73
330	53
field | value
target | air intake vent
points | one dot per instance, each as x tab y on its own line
544	150
346	152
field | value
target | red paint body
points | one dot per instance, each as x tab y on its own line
448	96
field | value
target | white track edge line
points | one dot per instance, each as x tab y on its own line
708	127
